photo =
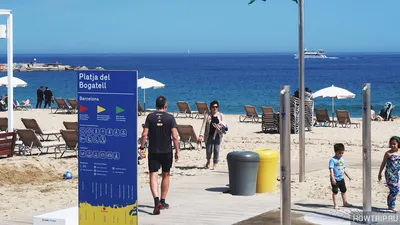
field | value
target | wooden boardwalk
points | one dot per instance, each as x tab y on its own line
194	200
199	200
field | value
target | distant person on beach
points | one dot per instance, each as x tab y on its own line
48	96
5	99
373	115
307	94
386	112
159	127
39	94
391	160
3	106
3	103
337	173
214	128
296	93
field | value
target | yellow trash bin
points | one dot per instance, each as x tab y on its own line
267	170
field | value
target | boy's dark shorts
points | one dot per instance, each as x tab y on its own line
340	185
157	160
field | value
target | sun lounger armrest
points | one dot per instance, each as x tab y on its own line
49	145
51	133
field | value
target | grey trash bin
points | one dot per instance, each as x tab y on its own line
243	169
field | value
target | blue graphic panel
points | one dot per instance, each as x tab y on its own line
107	146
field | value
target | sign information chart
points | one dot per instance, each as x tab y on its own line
107	147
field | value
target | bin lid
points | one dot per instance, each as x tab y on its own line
243	156
267	154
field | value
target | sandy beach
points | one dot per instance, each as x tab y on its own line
35	184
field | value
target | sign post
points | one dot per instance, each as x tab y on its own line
366	137
302	144
284	130
7	32
107	161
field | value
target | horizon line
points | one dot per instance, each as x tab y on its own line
195	53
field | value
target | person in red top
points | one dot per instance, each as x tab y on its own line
159	127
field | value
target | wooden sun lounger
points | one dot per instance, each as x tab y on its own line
33	124
251	114
74	105
62	105
141	112
70	125
343	117
3	123
7	144
31	141
187	135
266	109
71	141
184	108
202	109
322	118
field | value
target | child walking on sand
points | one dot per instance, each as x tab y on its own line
392	161
337	172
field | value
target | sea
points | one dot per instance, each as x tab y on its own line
234	80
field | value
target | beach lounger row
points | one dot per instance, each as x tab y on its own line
31	141
185	111
186	133
33	137
342	116
252	114
63	106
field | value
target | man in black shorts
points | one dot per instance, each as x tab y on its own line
159	127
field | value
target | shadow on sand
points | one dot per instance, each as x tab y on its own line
273	218
190	167
219	189
141	209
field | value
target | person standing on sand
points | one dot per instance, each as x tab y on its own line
392	161
48	95
337	172
213	127
159	127
308	94
39	94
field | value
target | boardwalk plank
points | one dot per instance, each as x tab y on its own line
192	202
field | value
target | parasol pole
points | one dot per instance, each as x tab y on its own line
333	108
144	99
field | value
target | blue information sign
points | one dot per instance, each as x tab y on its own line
107	147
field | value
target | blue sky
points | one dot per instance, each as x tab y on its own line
206	26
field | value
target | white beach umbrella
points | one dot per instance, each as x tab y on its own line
146	83
16	82
333	92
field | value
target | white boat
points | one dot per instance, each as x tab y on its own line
319	54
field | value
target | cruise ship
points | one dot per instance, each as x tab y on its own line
319	54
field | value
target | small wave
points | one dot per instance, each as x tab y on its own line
333	57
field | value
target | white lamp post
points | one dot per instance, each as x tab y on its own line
7	32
